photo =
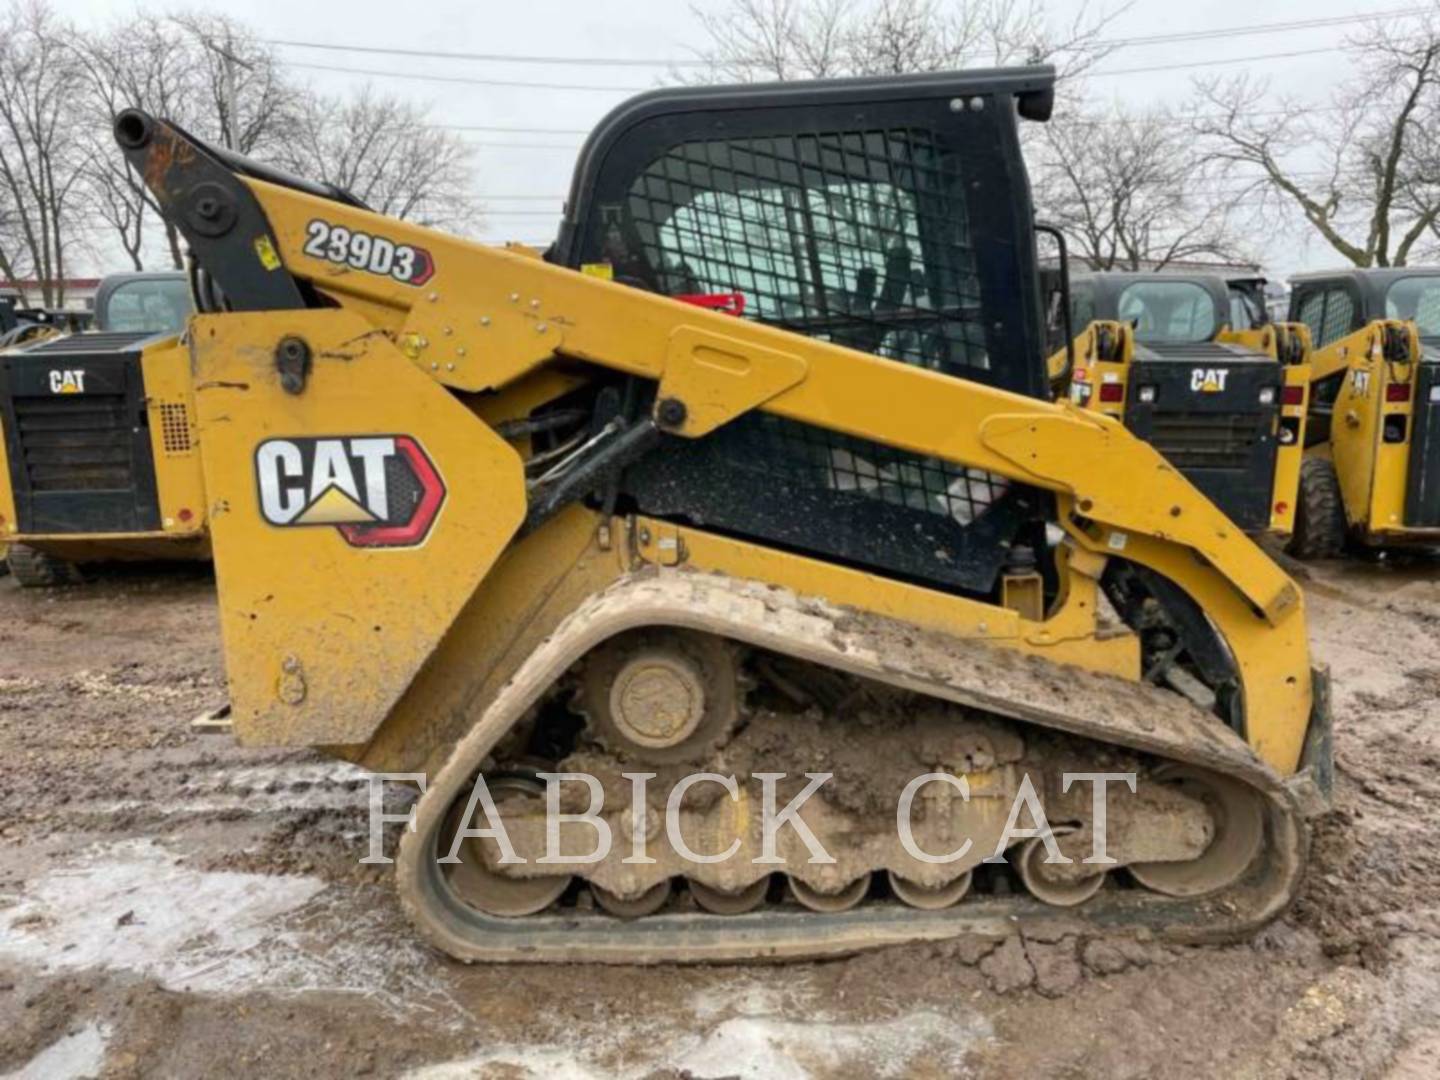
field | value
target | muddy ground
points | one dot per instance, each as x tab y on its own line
171	905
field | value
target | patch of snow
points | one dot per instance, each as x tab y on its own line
73	1057
766	1048
744	1030
134	906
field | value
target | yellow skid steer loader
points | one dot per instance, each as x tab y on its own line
99	460
1371	475
748	493
1189	365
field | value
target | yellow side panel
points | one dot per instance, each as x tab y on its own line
1392	460
9	522
1288	458
174	442
323	635
1355	436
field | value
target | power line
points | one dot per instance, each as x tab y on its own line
466	80
1215	63
569	148
1263	28
692	62
511	130
494	58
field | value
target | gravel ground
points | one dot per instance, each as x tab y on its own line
170	903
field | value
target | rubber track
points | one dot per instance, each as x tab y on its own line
1003	681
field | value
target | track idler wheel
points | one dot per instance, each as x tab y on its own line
930	898
730	903
1239	819
482	887
829	903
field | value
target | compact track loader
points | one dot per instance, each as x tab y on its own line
1371	477
1191	364
99	455
751	483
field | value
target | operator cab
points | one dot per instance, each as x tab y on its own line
891	215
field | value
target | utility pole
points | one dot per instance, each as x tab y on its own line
230	92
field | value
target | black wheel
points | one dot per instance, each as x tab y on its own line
1320	514
37	570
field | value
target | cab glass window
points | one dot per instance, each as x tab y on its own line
1339	316
1082	305
157	307
1170	312
1416	299
1245	313
1329	312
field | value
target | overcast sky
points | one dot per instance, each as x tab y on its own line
522	177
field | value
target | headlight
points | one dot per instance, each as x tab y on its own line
1267	395
1146	395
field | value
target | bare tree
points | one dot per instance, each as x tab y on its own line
206	72
1131	192
753	40
1365	171
242	97
384	151
11	247
150	63
39	143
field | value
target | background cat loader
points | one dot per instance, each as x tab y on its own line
99	457
1192	365
1371	476
754	472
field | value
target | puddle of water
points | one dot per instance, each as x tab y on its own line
74	1057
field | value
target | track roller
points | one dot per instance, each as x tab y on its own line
1045	886
636	907
829	903
928	898
736	903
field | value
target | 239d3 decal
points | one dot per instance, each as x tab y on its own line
376	490
358	250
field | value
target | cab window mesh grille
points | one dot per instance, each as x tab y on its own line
860	238
788	451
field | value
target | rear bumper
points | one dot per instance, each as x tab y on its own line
120	547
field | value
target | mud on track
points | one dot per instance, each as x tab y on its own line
169	901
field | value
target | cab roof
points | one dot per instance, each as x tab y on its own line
1370	283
